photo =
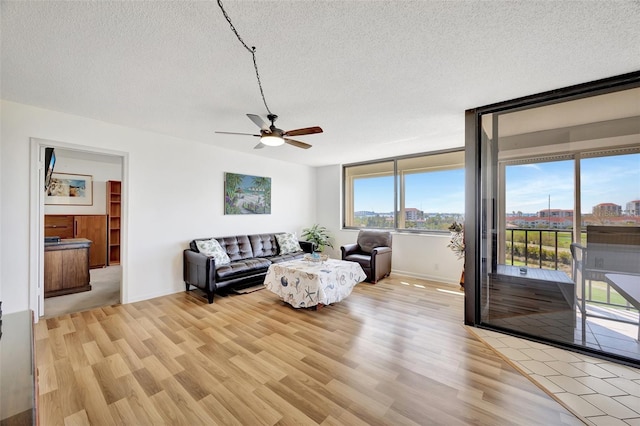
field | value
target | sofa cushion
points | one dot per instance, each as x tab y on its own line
212	248
263	245
242	268
288	243
237	247
286	257
362	259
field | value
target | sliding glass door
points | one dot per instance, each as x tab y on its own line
556	234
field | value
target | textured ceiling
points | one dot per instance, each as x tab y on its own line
381	78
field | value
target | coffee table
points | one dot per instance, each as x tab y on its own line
303	283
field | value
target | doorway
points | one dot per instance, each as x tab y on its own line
105	278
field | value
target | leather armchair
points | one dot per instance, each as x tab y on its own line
372	251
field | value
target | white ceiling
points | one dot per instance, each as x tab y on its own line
381	78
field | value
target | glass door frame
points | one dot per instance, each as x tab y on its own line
480	159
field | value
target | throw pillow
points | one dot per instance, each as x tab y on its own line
212	248
288	243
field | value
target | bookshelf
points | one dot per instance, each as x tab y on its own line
114	194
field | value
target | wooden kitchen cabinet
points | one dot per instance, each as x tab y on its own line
66	267
58	226
91	227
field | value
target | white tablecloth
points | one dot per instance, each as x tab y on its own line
302	283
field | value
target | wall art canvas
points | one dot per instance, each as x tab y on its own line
245	194
70	189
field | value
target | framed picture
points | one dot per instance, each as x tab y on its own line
70	189
245	194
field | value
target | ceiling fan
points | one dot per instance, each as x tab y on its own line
270	135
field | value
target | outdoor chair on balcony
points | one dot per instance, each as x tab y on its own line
611	252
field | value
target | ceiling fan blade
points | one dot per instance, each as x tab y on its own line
259	146
297	143
235	133
259	121
305	131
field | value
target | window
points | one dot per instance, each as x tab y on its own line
417	193
543	201
370	195
610	189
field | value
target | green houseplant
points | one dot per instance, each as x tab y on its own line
319	236
456	244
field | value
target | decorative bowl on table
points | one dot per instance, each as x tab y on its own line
316	257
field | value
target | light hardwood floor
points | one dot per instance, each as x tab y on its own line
393	353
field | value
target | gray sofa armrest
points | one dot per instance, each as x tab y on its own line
380	251
200	271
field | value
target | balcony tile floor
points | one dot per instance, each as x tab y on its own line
597	391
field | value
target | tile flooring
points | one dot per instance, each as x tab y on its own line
566	326
599	392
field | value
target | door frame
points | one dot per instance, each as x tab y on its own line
36	217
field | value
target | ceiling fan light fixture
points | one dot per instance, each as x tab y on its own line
269	135
272	140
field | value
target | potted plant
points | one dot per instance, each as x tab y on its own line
456	244
319	236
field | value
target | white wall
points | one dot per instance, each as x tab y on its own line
173	191
418	255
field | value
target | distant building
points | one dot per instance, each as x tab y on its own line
555	213
563	219
411	213
540	222
610	220
633	208
521	214
607	209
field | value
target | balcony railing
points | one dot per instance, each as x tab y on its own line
549	249
539	247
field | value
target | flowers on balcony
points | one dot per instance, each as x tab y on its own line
456	244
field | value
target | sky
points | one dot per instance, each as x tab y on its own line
614	179
441	192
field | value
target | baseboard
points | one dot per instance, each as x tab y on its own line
440	279
147	296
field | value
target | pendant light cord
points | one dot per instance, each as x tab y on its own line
251	50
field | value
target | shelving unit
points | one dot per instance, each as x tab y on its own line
114	193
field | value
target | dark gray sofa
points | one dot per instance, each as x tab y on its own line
250	257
